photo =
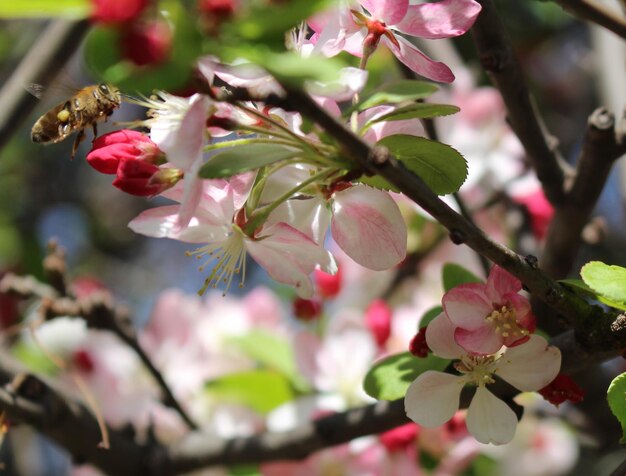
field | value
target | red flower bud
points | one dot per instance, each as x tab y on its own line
418	346
562	388
306	309
146	43
400	437
144	179
378	320
216	12
117	11
108	150
83	361
328	285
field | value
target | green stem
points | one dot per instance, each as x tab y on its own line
260	216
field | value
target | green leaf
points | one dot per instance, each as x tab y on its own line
429	316
581	286
264	23
390	378
442	168
73	9
420	110
243	158
272	352
616	396
398	91
454	274
261	390
607	280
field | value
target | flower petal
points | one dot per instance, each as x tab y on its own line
289	256
433	398
419	62
531	365
489	419
482	340
388	11
162	222
440	338
467	306
368	226
499	283
443	19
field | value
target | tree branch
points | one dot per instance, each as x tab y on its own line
601	148
497	58
596	13
100	313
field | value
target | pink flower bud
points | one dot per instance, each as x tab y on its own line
306	309
144	179
216	12
108	150
378	320
117	11
400	438
328	285
146	43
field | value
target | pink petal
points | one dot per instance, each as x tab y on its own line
289	256
443	19
530	366
377	131
433	398
499	283
419	62
523	312
388	11
489	419
440	338
162	222
478	341
467	305
368	226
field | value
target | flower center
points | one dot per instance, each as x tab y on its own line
504	322
477	369
229	258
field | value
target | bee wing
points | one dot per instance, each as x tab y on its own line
35	89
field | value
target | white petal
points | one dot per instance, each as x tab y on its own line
433	398
530	366
440	338
489	419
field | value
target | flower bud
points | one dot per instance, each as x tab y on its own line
562	388
418	345
216	12
306	309
108	150
144	179
378	320
146	43
328	285
117	11
400	437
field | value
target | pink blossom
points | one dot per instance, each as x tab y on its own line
288	255
433	398
487	316
378	317
359	33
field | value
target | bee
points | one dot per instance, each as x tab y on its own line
85	108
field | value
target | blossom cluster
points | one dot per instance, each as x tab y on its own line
487	329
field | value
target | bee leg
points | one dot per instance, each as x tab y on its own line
79	138
94	126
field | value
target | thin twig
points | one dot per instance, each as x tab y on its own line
497	57
596	13
599	152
